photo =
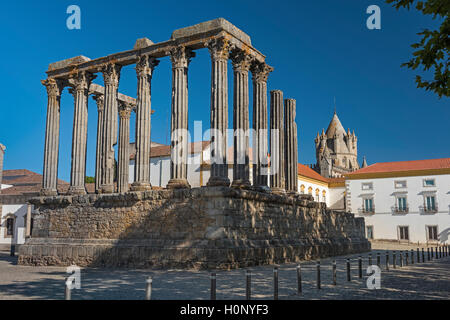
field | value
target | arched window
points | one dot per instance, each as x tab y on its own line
310	190
317	194
324	196
302	189
10	227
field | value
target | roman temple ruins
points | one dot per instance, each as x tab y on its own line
226	224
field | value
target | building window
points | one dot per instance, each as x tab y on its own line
402	206
317	195
369	231
368	205
302	189
430	203
367	186
9	227
429	183
432	233
403	233
324	196
310	190
400	184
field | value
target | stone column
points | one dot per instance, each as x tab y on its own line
28	221
277	167
111	76
180	57
80	93
241	164
100	99
124	144
290	145
51	149
144	71
260	72
219	50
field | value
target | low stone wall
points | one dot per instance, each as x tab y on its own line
201	228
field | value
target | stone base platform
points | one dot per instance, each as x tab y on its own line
201	228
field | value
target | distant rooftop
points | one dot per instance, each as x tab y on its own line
404	166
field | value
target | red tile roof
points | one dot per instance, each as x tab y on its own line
310	173
26	182
414	165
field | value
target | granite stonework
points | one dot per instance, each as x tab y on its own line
201	228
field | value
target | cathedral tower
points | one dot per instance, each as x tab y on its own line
336	150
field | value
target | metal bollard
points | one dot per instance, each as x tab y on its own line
394	260
299	279
412	256
370	259
213	286
275	283
428	254
401	259
68	290
418	255
318	274
334	273
406	257
348	270
440	252
148	290
360	267
12	251
387	260
423	255
378	260
248	287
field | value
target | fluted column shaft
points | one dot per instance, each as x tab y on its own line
51	149
111	76
144	71
291	151
219	50
241	164
277	165
260	72
180	58
100	99
79	137
124	146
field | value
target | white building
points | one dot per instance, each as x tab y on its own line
404	201
16	188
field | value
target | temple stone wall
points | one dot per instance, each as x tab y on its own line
200	228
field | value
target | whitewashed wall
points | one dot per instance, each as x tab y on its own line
315	186
385	222
20	212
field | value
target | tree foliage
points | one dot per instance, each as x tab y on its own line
89	179
432	51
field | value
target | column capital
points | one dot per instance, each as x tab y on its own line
219	48
260	71
111	74
241	61
82	80
145	65
54	86
181	57
100	99
125	110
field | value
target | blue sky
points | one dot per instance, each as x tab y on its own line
320	50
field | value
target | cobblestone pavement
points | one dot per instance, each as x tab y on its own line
429	280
